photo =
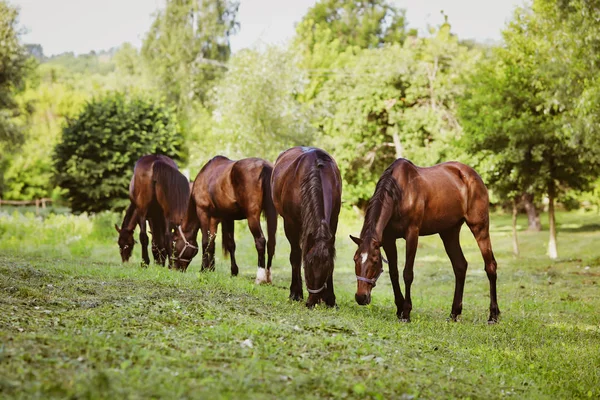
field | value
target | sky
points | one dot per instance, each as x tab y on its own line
84	25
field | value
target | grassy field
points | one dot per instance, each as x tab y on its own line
75	323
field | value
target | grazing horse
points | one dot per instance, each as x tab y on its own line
225	191
159	193
307	191
411	201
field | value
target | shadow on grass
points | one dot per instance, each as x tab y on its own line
579	228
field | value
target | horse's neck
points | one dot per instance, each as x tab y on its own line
130	220
191	223
382	218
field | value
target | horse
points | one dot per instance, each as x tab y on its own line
307	191
411	201
225	191
159	193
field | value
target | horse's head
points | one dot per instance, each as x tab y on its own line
126	242
184	249
318	265
368	267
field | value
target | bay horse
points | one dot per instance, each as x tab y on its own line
159	193
307	190
225	191
411	201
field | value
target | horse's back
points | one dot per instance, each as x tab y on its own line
292	167
440	196
228	187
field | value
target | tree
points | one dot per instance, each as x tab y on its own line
509	118
334	27
363	24
390	102
188	45
255	104
13	68
93	161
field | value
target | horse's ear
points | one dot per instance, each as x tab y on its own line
356	240
117	228
376	243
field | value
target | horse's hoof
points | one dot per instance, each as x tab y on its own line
492	321
452	318
296	297
404	320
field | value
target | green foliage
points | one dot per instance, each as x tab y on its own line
256	104
92	63
333	27
364	24
188	45
510	118
49	99
94	160
13	68
390	102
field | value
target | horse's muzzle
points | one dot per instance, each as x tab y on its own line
363	299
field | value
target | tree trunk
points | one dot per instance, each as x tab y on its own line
397	145
552	250
533	217
514	229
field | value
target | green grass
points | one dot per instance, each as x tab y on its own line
76	323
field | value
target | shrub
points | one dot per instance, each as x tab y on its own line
94	160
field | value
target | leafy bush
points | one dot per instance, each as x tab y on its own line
94	160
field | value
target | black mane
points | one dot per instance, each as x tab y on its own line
386	186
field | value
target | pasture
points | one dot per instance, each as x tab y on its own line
76	323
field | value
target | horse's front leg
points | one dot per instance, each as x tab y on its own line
293	235
389	245
412	240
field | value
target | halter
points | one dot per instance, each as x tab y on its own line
317	290
185	247
372	281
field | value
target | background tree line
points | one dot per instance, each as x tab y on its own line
354	80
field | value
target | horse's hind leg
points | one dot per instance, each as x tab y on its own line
451	239
228	227
481	232
293	236
262	275
207	225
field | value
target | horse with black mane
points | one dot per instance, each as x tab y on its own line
225	191
411	201
307	190
159	193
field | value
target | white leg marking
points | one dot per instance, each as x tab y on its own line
261	276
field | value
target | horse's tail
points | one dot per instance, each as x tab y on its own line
175	187
269	210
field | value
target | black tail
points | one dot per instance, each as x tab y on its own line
269	211
175	186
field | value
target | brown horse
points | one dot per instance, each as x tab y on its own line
307	190
225	191
409	202
158	193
